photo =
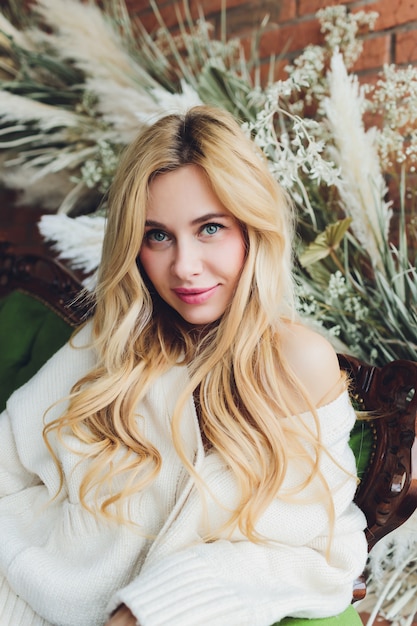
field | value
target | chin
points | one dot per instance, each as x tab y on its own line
201	320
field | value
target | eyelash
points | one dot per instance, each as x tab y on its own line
151	233
218	227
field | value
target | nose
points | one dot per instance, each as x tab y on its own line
187	261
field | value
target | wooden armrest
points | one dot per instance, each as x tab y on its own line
387	494
359	589
46	279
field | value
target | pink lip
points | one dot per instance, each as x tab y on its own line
194	296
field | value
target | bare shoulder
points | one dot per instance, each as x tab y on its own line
314	361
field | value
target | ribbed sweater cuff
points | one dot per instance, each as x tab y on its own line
14	611
177	593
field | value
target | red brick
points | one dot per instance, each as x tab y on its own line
213	6
171	9
278	12
392	14
310	7
290	38
376	52
406	47
370	78
247	44
136	6
150	21
278	72
251	11
247	18
209	6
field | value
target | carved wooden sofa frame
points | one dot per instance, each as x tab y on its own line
44	278
387	493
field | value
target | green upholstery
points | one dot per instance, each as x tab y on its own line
348	618
30	333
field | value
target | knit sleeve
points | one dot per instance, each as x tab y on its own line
13	475
302	571
25	459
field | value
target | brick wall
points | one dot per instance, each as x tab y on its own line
293	24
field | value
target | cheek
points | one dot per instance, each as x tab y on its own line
156	266
237	255
145	258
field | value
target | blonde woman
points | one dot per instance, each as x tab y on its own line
184	460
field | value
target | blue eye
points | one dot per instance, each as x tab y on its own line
156	236
211	229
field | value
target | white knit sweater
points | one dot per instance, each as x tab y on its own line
59	565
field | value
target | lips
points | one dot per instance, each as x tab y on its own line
195	295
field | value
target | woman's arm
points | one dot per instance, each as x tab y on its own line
13	475
25	459
314	361
244	584
186	581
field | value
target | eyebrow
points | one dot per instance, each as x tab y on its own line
198	220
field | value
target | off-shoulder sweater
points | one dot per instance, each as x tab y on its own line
61	565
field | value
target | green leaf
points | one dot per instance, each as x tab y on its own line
325	243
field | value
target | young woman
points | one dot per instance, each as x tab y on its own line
184	460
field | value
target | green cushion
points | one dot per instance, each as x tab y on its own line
362	442
30	333
348	618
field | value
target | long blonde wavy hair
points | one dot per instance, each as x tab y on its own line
244	384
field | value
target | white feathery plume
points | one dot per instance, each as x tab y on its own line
37	167
57	160
79	240
48	191
81	32
7	29
126	110
18	108
123	108
363	187
164	102
176	102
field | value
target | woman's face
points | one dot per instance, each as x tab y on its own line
193	250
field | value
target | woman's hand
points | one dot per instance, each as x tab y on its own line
122	617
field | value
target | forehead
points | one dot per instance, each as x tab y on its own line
183	191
